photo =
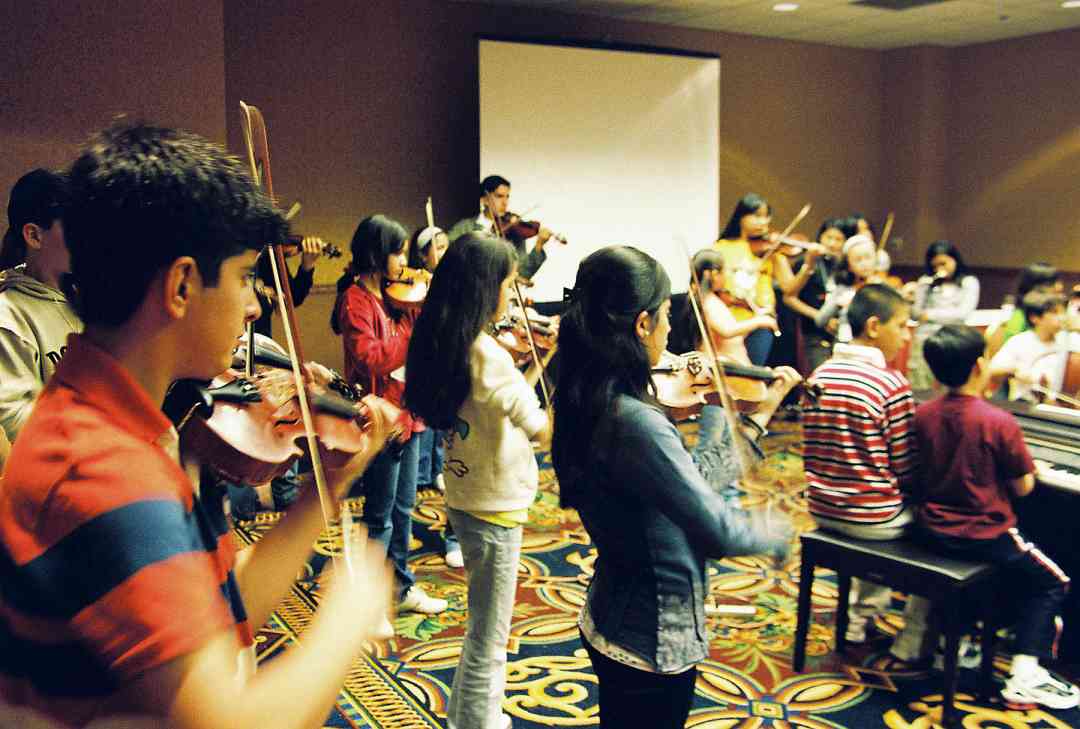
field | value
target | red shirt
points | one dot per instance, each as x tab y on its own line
110	564
376	344
971	450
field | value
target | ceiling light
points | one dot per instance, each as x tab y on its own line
1066	4
792	7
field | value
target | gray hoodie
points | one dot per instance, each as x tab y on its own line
35	320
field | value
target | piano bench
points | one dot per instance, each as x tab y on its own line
908	567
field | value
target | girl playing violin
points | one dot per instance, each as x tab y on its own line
462	380
621	463
858	262
750	278
728	333
807	300
427	247
376	341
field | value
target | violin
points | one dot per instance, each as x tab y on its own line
510	333
361	425
515	229
293	246
249	428
408	291
794	244
684	385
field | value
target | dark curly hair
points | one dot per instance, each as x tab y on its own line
143	196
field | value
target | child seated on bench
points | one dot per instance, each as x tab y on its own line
859	452
974	463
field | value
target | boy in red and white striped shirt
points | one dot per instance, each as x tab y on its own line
860	454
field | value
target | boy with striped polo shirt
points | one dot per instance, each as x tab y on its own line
860	455
119	588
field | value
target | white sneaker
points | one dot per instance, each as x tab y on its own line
418	601
1039	687
454	559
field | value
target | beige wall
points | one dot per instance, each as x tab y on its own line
372	106
1014	150
70	66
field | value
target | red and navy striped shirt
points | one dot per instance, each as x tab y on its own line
859	451
110	563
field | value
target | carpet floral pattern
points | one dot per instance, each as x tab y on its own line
746	683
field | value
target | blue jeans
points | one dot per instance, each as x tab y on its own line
432	455
390	488
758	345
491	555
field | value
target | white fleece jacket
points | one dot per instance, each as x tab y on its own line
35	321
490	464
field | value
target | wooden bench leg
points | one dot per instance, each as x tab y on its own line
843	603
802	626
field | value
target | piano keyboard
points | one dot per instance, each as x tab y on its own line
1058	476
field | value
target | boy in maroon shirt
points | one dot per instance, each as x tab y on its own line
974	463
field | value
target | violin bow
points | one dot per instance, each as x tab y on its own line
787	231
886	231
258	149
528	324
719	383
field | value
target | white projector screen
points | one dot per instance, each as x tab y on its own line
604	146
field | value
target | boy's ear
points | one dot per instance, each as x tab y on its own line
180	282
872	327
32	235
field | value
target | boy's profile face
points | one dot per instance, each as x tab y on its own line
892	335
1050	323
218	315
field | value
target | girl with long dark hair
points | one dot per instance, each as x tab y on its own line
750	278
462	380
622	464
376	341
945	294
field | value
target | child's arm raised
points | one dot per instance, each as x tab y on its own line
723	324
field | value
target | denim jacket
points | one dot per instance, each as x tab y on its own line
654	521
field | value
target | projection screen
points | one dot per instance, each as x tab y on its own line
604	146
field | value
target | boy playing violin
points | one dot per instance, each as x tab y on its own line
120	586
495	203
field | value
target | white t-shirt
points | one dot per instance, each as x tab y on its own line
1045	361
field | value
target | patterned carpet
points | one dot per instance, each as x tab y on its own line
746	683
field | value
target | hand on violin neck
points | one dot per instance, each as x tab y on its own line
543	236
380	422
318	374
786	380
312	247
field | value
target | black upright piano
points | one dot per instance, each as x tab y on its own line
1050	515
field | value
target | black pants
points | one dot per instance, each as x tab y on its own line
1037	584
633	698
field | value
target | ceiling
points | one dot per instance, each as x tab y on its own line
840	22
